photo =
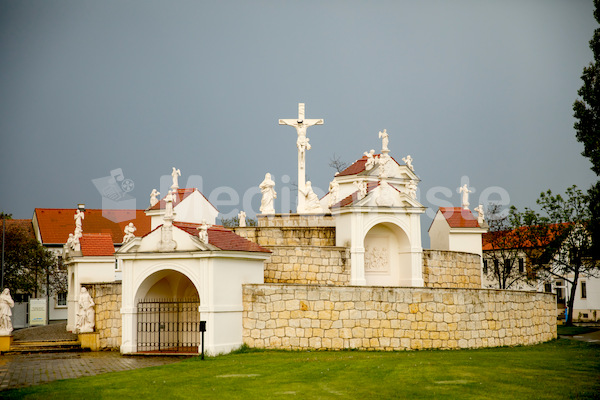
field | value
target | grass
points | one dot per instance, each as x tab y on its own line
559	369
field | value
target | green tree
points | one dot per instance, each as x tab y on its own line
27	263
560	239
587	127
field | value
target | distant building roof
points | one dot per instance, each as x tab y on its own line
96	244
181	195
55	224
359	166
348	200
458	217
223	238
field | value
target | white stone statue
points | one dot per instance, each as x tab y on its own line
203	232
267	188
370	163
412	188
242	219
361	187
175	174
301	124
383	162
129	229
6	303
465	196
311	200
85	315
169	199
79	216
72	242
154	197
383	135
408	160
480	214
334	193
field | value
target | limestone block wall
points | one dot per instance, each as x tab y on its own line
303	247
451	269
107	297
381	318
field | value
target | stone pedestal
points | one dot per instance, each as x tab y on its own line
5	342
90	341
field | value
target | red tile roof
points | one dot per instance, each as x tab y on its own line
458	217
22	224
359	166
96	244
223	238
55	224
181	195
348	200
521	237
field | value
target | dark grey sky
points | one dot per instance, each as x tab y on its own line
482	89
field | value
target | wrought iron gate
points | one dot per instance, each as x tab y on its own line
168	326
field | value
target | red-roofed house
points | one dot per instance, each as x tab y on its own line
190	206
456	229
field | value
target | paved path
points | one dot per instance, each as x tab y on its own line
592	337
21	370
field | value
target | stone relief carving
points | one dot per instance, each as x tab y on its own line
384	162
385	195
377	259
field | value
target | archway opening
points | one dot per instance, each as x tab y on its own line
387	256
168	320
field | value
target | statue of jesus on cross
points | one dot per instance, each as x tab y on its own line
301	124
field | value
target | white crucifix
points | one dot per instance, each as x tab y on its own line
301	124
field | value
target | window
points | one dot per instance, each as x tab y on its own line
61	299
521	265
583	290
485	266
507	264
548	287
496	265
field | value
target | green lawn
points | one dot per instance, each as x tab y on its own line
559	369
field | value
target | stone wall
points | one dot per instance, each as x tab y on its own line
303	247
107	297
451	269
379	318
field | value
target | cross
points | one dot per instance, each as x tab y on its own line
301	124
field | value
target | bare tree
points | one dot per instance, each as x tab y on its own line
336	163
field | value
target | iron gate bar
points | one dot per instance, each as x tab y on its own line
168	325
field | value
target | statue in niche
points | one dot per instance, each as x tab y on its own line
412	188
242	219
154	197
480	214
408	160
129	229
169	199
334	192
203	232
383	135
361	187
312	204
6	303
85	315
175	175
465	196
267	188
370	163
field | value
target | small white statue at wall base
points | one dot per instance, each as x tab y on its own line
6	303
129	229
242	219
267	188
85	315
